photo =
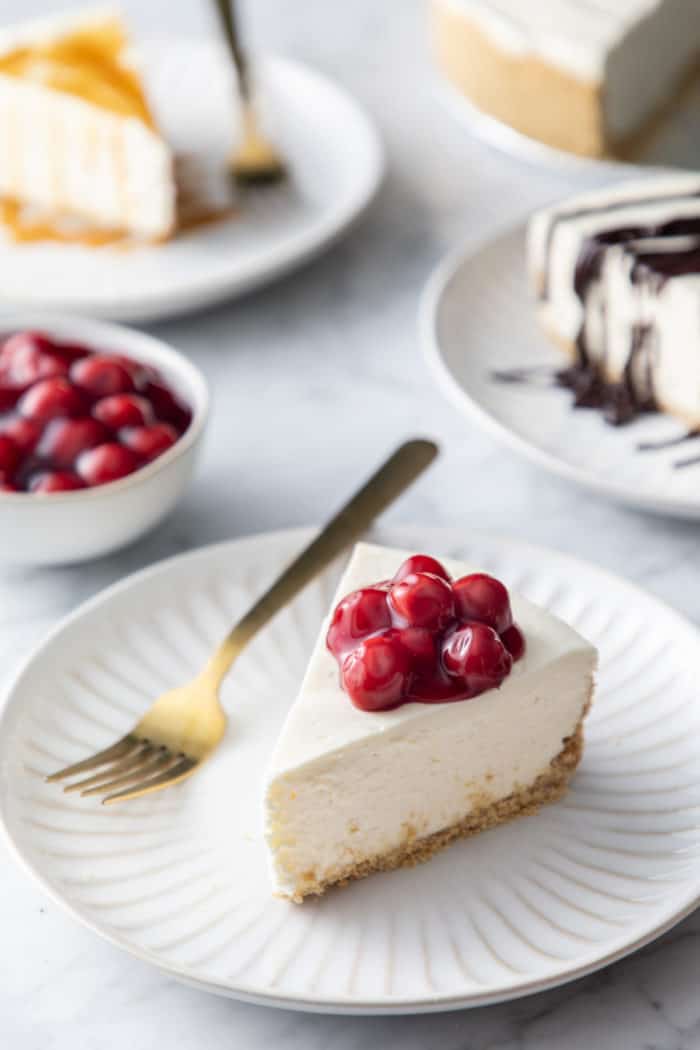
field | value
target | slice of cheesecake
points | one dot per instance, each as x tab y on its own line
616	273
77	137
373	773
588	76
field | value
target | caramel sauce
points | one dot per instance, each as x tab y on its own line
87	65
23	228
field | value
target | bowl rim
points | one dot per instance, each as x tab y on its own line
130	341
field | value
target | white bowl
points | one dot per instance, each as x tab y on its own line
58	528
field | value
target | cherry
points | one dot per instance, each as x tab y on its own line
482	597
356	616
9	455
24	432
123	410
101	375
151	441
105	463
26	357
55	481
421	563
475	654
423	600
419	643
514	641
51	398
7	486
65	439
375	673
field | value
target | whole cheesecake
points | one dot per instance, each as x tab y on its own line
616	275
587	77
434	706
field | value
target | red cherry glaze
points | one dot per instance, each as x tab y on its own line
24	432
123	410
514	641
101	375
65	439
358	615
375	673
423	600
482	597
106	463
51	398
421	563
9	456
55	481
149	442
410	640
167	406
419	642
476	656
59	401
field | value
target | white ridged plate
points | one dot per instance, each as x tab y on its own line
477	318
336	164
180	879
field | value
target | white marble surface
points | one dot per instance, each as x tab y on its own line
314	380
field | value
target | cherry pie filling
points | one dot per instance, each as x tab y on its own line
424	637
72	418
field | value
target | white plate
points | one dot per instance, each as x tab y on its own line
180	880
477	317
676	143
336	164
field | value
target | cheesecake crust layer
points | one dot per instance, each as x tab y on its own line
548	787
536	98
526	93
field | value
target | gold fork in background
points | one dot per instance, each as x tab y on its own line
255	160
184	726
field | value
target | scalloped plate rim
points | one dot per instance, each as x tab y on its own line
673	913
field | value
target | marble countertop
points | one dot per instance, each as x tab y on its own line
315	379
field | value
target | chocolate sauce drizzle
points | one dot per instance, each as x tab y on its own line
658	252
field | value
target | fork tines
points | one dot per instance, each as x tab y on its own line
133	765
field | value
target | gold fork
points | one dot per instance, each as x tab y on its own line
255	160
184	726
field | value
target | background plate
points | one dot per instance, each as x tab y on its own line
477	317
180	879
336	164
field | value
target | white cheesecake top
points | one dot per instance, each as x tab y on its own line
324	720
576	35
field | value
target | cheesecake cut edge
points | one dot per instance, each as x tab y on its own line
549	787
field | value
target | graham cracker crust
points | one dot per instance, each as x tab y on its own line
549	787
536	98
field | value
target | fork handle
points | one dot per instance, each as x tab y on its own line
385	485
227	15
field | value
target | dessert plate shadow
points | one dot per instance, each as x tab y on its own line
477	318
336	164
179	879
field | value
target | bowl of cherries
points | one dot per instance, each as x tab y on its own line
99	430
